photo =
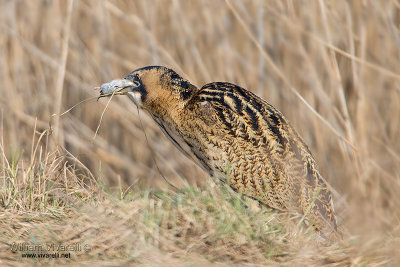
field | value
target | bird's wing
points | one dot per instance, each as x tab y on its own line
246	115
252	120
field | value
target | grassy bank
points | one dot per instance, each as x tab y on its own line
50	205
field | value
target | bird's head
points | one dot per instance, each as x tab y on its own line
154	88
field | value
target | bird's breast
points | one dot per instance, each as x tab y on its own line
186	142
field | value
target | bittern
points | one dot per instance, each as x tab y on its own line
236	137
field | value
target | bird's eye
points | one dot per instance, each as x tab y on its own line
185	94
137	76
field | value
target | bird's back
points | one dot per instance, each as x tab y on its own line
241	139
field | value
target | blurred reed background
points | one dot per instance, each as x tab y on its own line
342	57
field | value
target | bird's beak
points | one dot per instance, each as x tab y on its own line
117	87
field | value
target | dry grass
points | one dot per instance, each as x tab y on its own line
332	67
51	204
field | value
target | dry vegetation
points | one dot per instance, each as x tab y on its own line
332	67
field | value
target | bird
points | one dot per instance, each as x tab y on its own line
237	137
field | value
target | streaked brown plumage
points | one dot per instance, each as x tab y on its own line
237	137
